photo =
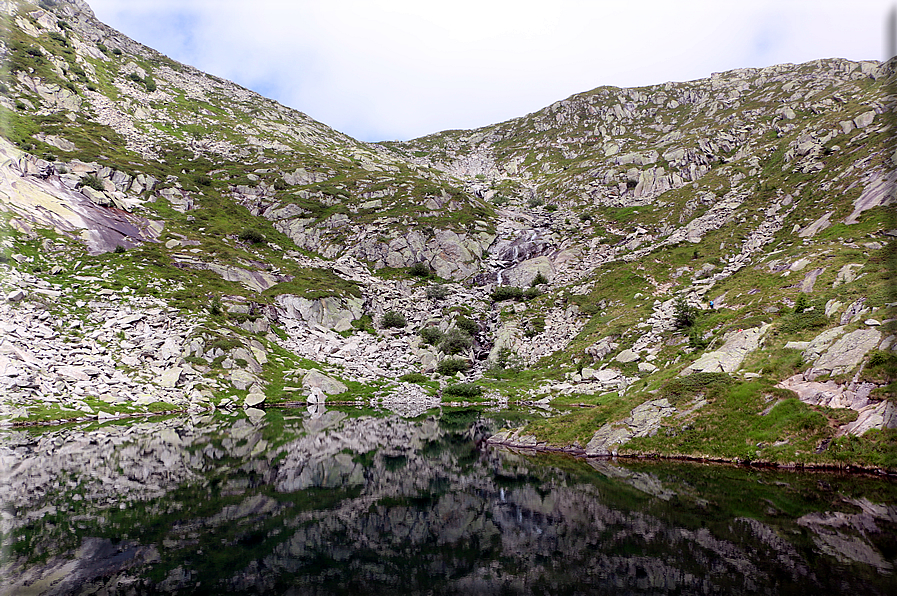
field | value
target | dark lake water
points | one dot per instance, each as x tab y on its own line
348	501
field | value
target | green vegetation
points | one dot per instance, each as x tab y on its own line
393	319
419	269
92	181
502	293
466	390
451	366
455	342
437	292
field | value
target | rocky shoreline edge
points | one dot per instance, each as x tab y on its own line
529	444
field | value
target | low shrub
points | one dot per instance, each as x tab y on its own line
450	366
502	293
455	342
413	378
531	293
119	249
116	51
538	280
92	181
419	269
437	292
463	390
431	335
466	325
252	236
393	319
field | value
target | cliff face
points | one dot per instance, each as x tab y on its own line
199	244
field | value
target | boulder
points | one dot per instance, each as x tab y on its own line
253	399
873	417
627	356
315	379
16	295
733	352
242	379
845	354
332	312
643	421
171	377
818	344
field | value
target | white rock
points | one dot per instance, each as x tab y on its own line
253	399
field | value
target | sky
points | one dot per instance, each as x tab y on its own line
400	69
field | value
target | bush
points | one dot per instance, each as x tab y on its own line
685	314
696	339
450	366
802	303
419	269
534	203
135	77
393	320
116	51
413	378
463	390
531	293
203	180
538	280
502	293
455	342
91	181
437	292
252	236
149	83
507	360
119	249
466	325
431	335
551	208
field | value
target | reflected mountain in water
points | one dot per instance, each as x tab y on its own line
355	502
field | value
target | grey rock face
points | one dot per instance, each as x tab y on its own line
846	353
729	357
643	421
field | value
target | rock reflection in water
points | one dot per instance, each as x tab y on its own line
331	502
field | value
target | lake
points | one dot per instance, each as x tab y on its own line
356	501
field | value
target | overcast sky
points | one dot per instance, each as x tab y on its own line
399	69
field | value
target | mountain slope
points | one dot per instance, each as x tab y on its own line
708	265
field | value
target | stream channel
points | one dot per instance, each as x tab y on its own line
357	501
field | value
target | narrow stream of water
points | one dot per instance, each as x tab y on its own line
358	502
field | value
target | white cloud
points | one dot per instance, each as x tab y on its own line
380	69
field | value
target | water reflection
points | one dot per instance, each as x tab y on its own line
352	502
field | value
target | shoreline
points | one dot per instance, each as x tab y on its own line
789	467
